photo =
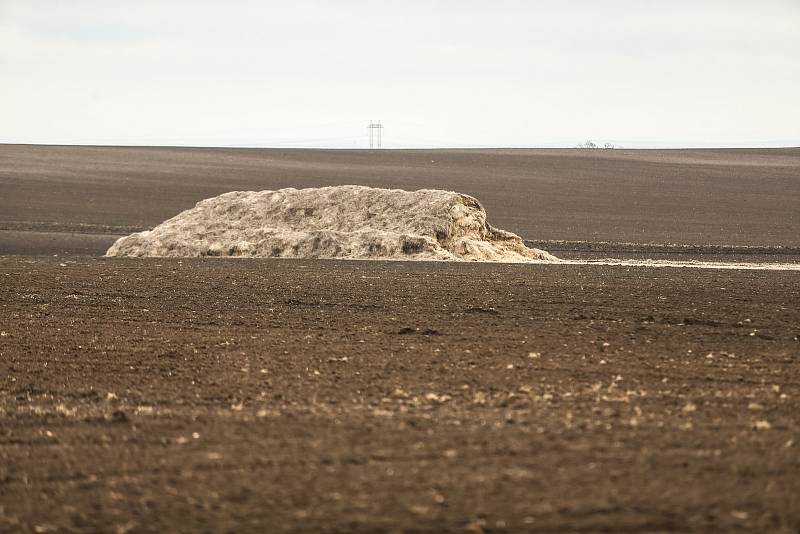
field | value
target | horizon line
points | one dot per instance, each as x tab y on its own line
544	146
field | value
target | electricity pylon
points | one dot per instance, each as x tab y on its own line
375	129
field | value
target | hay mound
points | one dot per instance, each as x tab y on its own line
348	221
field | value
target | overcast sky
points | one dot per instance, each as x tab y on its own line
436	73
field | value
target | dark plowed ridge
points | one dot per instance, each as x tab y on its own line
257	395
700	197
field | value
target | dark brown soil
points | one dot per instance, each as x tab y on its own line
257	395
700	197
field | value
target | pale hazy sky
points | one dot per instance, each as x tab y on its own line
436	73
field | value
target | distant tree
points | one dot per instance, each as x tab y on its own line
591	144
